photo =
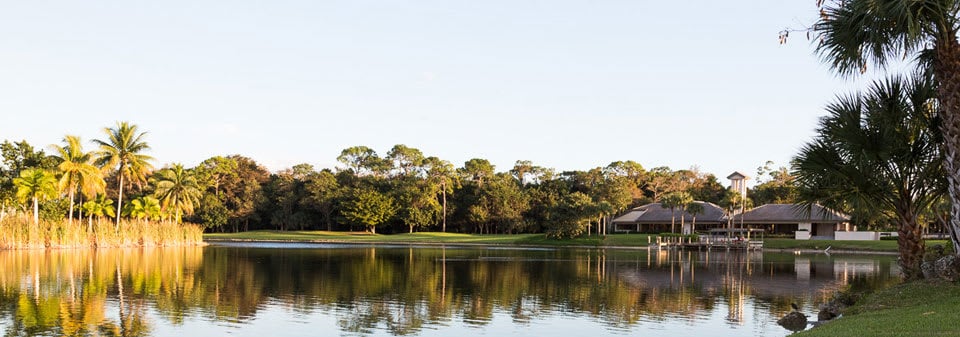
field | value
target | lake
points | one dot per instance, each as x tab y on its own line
351	290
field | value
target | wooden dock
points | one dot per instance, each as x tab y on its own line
709	243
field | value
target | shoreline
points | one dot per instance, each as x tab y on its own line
518	245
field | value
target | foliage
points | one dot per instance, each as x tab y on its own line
369	208
178	189
16	233
853	34
568	219
123	150
212	213
918	308
35	185
878	152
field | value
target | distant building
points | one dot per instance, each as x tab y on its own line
819	221
654	218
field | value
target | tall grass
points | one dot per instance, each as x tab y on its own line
19	233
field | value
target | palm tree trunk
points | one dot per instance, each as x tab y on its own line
947	72
119	199
36	211
910	245
443	228
71	207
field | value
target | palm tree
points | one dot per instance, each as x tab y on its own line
683	199
178	189
36	185
878	152
143	208
122	150
695	208
76	170
671	201
100	206
443	173
853	33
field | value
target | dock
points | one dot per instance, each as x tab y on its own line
725	239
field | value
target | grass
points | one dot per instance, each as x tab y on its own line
634	240
878	246
615	240
432	237
912	309
19	233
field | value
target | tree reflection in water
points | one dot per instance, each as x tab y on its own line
404	290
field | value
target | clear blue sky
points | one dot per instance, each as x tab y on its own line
566	84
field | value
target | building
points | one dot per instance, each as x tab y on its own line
654	218
818	221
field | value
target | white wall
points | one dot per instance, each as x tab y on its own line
858	236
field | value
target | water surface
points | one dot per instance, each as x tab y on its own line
350	290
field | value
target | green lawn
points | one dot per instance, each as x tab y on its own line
914	309
618	240
880	246
432	237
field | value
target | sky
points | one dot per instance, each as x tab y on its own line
569	85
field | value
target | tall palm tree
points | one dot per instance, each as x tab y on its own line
77	171
36	185
123	150
878	152
853	33
671	201
443	173
178	189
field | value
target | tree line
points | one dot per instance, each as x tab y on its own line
402	190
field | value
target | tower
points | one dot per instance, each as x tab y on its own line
738	183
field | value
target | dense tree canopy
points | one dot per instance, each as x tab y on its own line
403	191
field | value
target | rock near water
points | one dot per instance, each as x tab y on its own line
794	321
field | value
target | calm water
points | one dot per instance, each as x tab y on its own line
298	290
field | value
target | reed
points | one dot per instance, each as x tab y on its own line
20	233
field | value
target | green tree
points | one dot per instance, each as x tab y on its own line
695	208
77	171
569	218
369	208
212	213
323	191
853	33
417	203
441	173
99	207
18	156
35	185
478	170
405	160
682	199
671	201
123	150
143	208
177	189
363	161
878	152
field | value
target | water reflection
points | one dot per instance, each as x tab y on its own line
252	290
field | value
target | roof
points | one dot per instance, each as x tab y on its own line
656	214
737	175
791	213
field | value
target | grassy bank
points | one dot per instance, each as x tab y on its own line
17	233
432	238
876	246
616	240
913	309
